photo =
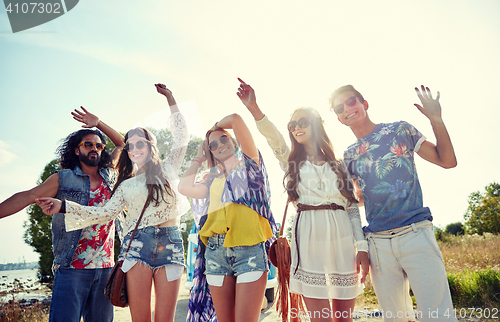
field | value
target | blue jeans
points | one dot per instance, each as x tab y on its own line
234	261
79	293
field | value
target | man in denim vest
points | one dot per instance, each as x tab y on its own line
83	259
402	248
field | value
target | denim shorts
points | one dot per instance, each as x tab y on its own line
155	246
233	261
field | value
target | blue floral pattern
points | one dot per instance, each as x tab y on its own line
383	164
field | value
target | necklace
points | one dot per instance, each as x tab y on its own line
320	185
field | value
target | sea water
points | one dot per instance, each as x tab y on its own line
20	284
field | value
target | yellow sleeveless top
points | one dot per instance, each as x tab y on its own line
242	225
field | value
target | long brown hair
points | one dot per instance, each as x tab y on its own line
324	147
156	182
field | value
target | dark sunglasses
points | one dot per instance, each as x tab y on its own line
224	139
339	109
89	145
303	123
139	145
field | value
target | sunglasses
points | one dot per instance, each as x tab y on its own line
303	123
351	101
89	145
214	145
139	145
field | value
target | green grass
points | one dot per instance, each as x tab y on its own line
475	288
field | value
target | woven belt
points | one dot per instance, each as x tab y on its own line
332	206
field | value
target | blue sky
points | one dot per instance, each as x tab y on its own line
106	56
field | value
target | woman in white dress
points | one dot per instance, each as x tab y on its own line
328	245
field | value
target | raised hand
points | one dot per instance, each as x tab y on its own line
247	97
88	119
162	89
246	93
430	107
49	206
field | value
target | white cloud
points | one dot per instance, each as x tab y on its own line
5	155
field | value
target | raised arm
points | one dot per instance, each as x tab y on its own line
187	186
242	134
441	153
274	138
90	120
177	124
23	199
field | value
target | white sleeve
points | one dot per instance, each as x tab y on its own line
275	141
353	213
78	216
177	124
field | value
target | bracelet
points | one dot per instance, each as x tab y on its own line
199	162
63	207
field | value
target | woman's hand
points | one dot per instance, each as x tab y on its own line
88	119
362	260
200	156
247	96
49	206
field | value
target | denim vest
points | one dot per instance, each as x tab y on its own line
73	186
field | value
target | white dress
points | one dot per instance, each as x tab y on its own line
327	238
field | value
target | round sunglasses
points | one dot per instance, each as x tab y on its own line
89	145
351	101
214	145
139	145
303	122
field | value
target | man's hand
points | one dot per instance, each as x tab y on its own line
49	206
430	107
88	119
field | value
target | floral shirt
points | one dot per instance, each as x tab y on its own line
95	248
383	163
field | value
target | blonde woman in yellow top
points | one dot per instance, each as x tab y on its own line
236	226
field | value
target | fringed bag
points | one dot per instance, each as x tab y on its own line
280	256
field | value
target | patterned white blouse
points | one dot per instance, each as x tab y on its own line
132	193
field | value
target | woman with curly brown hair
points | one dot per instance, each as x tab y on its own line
328	245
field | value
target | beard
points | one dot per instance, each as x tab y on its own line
90	161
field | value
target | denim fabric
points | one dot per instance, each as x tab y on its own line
155	246
233	261
73	186
79	293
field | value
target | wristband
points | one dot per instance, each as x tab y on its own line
199	162
63	207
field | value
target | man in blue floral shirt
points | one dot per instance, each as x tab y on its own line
403	249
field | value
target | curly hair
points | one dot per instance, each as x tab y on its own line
298	156
66	151
156	182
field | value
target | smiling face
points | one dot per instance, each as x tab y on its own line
90	157
304	134
351	114
137	155
222	146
